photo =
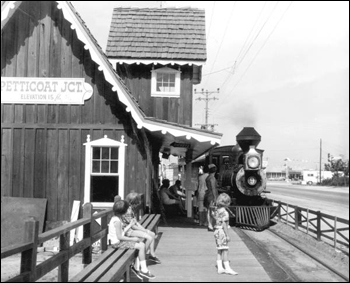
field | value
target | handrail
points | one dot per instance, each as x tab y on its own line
15	249
298	219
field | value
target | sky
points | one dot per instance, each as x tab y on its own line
281	67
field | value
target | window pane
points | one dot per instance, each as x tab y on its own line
105	152
96	166
103	188
96	153
165	82
114	166
105	167
159	77
114	152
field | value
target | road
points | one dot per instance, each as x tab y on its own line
330	200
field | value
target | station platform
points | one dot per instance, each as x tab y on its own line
188	254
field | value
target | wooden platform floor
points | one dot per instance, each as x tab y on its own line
188	253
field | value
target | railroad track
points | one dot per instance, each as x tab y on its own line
310	255
264	241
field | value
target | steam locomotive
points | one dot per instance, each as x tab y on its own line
241	175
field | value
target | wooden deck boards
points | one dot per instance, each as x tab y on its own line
188	253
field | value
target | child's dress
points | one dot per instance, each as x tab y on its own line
221	216
115	242
126	220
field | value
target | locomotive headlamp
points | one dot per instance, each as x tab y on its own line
253	162
252	181
252	159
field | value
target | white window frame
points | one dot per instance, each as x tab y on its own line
104	142
166	70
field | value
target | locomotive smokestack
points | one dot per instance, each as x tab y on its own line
247	137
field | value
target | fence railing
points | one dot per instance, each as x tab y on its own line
330	229
30	272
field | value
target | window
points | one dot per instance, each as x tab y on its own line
104	171
165	82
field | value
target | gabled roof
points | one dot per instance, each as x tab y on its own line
156	34
97	55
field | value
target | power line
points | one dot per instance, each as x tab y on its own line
211	19
223	37
256	54
251	44
244	44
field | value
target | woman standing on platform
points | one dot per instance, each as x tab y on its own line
211	195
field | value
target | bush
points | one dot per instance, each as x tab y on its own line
336	181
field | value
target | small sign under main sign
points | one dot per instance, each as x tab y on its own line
177	144
44	90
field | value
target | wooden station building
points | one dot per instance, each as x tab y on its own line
78	126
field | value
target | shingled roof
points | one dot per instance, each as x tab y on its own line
157	33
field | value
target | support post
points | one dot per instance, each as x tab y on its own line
28	258
318	226
63	269
87	229
104	239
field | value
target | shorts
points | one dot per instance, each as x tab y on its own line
124	245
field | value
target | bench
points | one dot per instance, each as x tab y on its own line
115	264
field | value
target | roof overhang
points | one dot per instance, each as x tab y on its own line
155	62
182	140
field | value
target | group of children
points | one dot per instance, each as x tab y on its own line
126	232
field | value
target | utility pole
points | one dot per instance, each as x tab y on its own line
207	99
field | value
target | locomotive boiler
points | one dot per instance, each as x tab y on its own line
241	175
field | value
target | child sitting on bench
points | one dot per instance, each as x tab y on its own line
117	230
137	230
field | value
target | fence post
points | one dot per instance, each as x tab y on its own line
87	213
279	212
63	269
307	221
335	231
296	217
28	258
104	226
318	225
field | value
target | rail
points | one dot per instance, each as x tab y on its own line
30	272
323	227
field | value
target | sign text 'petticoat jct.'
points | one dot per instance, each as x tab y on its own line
45	90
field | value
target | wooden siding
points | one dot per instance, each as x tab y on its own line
42	145
175	110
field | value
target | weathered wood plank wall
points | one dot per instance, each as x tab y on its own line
42	145
175	110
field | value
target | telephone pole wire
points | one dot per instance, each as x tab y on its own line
207	98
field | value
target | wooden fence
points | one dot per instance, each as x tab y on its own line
30	272
323	227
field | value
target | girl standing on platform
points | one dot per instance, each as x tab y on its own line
117	230
221	234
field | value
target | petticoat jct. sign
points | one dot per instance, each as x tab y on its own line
45	90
